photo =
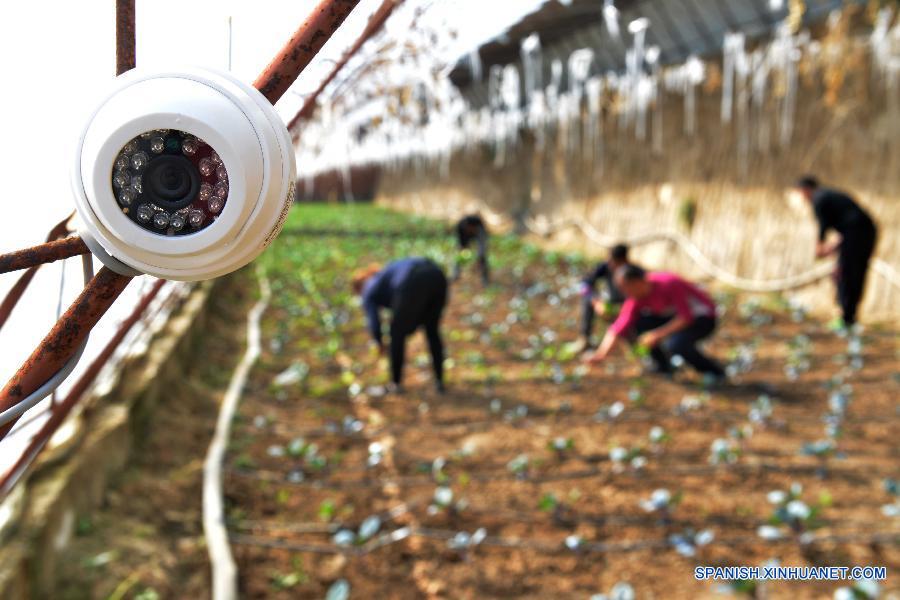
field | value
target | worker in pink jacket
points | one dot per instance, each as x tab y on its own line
668	315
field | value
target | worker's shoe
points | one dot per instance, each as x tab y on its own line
581	345
843	329
838	326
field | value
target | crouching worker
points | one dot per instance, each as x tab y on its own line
668	315
606	303
471	228
415	290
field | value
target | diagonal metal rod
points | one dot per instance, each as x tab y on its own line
375	23
62	410
42	254
64	338
15	293
125	36
302	47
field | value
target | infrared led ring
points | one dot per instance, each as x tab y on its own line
170	182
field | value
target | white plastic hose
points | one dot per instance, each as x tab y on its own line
224	570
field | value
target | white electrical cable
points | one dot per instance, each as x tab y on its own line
16	411
59	307
19	409
224	570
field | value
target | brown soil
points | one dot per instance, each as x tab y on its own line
282	536
279	529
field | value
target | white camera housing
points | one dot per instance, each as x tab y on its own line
247	138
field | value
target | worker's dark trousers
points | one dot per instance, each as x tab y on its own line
419	303
683	343
481	242
587	317
853	264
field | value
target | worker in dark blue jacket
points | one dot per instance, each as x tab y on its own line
836	210
415	290
471	228
591	304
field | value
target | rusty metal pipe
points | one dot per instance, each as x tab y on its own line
64	339
125	36
15	293
375	23
303	46
42	254
62	410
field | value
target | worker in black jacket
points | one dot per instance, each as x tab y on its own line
605	304
472	228
836	210
415	290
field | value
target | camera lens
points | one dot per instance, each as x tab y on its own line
172	182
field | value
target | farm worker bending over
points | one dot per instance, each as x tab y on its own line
415	290
668	314
472	228
836	210
606	306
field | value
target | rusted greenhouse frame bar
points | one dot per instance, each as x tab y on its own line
374	24
64	338
62	409
15	293
125	36
302	47
42	254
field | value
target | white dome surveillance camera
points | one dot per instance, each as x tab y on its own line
183	175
